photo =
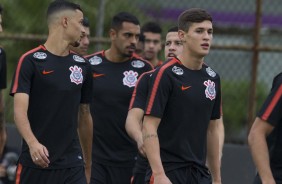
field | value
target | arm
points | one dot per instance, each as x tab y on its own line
152	147
3	135
213	150
257	141
221	136
38	152
85	132
133	126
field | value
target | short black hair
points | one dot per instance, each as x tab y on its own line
59	5
173	29
121	17
85	22
193	15
152	27
1	9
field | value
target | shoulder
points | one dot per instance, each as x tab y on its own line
95	58
210	72
2	51
38	53
277	81
140	62
171	66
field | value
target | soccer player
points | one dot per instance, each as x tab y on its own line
3	84
50	86
115	73
265	137
84	41
183	105
135	115
173	44
152	42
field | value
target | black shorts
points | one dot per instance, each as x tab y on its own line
184	175
104	174
28	175
138	178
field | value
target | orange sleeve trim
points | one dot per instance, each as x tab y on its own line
156	84
16	82
18	173
272	104
95	53
135	89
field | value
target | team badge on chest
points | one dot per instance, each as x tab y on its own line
130	78
210	90
76	74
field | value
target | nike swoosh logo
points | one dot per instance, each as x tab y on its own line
44	72
185	87
95	75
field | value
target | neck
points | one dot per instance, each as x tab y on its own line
154	61
191	61
57	45
114	56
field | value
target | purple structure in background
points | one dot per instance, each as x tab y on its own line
223	18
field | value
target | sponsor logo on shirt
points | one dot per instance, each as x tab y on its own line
40	55
76	74
78	59
137	64
79	157
95	60
183	88
210	72
177	70
210	89
130	78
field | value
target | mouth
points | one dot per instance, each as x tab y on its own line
205	45
171	54
131	49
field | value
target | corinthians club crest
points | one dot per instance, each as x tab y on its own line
76	74
210	90
130	78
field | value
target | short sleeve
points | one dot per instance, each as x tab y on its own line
86	91
3	69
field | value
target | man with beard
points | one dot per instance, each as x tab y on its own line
115	72
152	43
50	86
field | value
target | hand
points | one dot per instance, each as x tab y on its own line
3	138
39	154
141	147
161	179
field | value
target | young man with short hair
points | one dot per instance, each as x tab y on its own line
152	42
115	72
180	127
50	86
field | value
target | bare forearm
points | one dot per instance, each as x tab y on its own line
213	152
152	148
261	160
85	131
133	128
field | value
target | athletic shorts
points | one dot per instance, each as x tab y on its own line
104	174
28	175
184	175
138	178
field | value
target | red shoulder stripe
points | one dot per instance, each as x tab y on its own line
135	88
156	84
272	104
95	53
15	86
